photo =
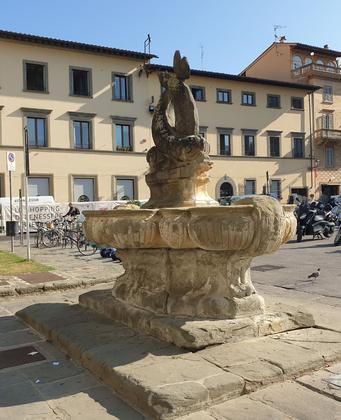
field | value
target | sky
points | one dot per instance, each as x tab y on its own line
230	34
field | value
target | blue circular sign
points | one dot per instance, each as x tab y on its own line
11	157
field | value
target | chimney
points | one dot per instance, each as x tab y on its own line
326	46
282	39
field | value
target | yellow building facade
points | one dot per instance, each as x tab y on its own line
295	62
88	111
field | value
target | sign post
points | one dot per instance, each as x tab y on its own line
27	173
11	168
21	218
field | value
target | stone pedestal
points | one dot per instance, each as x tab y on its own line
188	282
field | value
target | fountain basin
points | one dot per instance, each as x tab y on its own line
232	228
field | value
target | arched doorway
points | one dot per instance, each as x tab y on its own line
226	190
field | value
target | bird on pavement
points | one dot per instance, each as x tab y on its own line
315	274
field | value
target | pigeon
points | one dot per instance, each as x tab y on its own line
314	275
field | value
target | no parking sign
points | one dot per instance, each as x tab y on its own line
10	161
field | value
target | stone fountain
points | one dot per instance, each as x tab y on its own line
187	261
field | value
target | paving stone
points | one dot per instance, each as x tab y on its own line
23	401
198	415
327	343
290	358
257	374
50	371
159	379
66	386
319	382
17	338
243	408
94	403
10	324
336	368
298	402
10	377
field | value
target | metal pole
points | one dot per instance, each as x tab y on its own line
28	244
11	206
21	219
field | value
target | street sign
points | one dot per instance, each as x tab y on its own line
10	161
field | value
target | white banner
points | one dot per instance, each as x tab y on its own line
47	212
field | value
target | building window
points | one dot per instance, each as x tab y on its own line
80	82
198	93
224	96
329	157
274	146
35	76
327	120
123	137
225	144
36	130
121	87
125	189
203	131
297	102
83	189
38	186
82	134
249	145
250	187
248	98
273	101
327	94
275	188
298	151
296	62
307	61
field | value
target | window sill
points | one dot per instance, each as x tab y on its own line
274	107
223	102
225	154
325	101
248	104
122	100
83	148
46	92
200	100
297	109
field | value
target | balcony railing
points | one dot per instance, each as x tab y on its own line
314	69
327	134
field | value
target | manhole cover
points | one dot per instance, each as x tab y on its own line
39	277
267	267
19	356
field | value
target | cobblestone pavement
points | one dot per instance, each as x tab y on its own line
75	269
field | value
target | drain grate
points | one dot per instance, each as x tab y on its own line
267	267
33	278
19	356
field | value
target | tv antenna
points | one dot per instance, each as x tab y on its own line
202	56
146	45
276	36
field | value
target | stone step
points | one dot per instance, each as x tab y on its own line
162	381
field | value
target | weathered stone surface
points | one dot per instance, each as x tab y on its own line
292	360
257	374
322	382
327	343
244	408
186	332
94	403
298	402
158	379
17	338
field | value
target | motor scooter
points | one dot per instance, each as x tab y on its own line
311	221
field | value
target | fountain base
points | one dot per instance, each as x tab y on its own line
194	333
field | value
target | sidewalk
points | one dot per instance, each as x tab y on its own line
71	270
46	390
